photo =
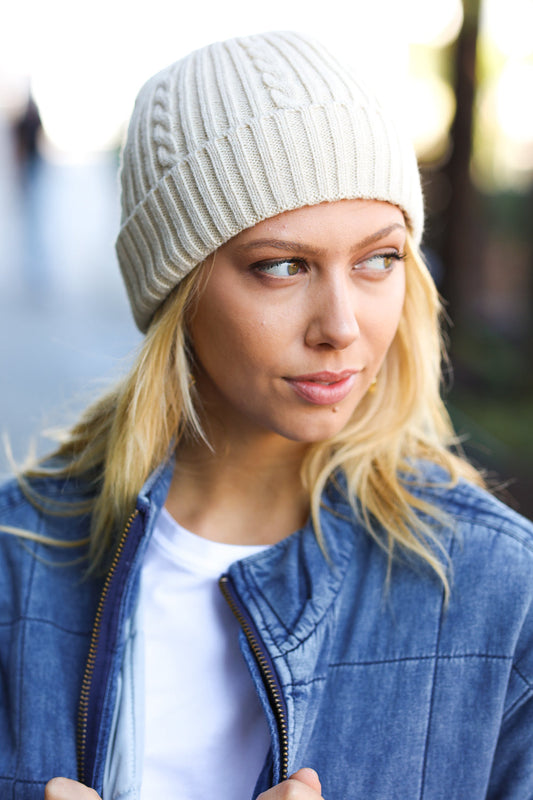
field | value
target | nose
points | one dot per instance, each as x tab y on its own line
333	320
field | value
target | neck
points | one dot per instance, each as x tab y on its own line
247	491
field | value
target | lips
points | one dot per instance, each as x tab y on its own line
324	388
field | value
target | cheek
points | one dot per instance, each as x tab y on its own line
232	333
383	316
392	316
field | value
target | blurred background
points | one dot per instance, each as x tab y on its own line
461	75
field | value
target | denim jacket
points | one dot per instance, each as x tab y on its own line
381	687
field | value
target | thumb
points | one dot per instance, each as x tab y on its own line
309	777
65	789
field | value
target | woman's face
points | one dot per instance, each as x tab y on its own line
296	316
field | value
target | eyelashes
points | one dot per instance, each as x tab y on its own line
383	262
281	268
378	264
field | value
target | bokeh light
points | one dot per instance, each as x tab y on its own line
86	65
431	111
509	24
434	23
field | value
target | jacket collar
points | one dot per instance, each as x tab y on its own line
298	578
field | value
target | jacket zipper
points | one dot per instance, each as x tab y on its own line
267	671
83	711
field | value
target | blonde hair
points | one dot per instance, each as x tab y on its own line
122	437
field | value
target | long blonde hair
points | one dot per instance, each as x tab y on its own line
122	437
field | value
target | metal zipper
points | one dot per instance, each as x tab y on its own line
83	710
267	672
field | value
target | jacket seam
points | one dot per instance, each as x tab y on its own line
299	684
508	534
489	522
430	657
13	500
433	685
41	621
408	659
461	490
132	739
517	703
125	793
299	641
520	699
22	649
523	677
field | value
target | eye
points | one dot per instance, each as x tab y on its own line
286	268
381	262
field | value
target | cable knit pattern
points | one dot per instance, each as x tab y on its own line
238	132
162	135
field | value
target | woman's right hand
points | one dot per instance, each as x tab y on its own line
303	785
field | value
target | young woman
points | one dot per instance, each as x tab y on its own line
255	568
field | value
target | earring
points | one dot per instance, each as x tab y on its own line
372	387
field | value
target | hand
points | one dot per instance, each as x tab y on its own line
303	785
65	789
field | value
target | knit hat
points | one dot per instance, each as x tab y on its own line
238	132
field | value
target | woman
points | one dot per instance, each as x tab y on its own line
281	436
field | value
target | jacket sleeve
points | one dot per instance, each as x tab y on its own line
512	772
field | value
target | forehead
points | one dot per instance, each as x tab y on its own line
342	221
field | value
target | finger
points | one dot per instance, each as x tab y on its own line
309	777
65	789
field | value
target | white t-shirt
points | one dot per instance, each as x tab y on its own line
206	735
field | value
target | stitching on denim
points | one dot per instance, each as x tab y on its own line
44	622
430	657
125	793
299	641
489	519
509	534
299	684
433	685
133	644
21	671
292	717
249	578
400	660
463	491
273	656
520	675
520	699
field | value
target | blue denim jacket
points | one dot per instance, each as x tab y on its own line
386	693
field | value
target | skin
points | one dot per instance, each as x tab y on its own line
262	319
303	785
255	327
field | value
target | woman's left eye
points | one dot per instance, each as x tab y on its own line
382	262
280	269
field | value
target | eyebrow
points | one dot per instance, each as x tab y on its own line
298	247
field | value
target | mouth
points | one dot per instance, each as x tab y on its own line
324	388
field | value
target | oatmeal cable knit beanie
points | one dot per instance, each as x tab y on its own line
238	132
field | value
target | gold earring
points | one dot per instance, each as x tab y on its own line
372	387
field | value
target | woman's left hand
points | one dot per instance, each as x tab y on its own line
65	789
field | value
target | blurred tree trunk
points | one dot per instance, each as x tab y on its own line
460	248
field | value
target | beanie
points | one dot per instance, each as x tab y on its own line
240	131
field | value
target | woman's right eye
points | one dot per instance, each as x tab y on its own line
286	268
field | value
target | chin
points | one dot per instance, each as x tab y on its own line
315	431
